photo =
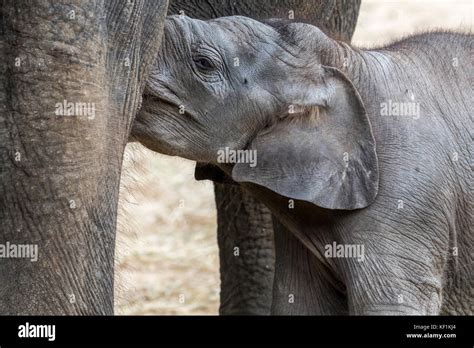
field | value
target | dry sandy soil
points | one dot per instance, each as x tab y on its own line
167	256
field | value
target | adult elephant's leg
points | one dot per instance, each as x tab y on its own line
61	159
245	238
303	285
337	17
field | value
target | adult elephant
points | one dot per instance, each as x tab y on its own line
245	229
72	74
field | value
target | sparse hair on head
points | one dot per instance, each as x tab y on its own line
283	27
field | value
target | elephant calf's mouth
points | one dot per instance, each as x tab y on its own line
163	103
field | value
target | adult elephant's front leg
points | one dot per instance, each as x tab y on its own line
245	238
71	74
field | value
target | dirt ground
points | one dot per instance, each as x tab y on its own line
167	256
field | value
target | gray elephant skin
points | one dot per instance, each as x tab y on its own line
60	175
362	155
60	171
245	229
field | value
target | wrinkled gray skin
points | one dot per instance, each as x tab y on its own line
244	222
335	168
60	175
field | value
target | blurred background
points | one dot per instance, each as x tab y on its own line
167	256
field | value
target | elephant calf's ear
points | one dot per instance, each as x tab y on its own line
324	153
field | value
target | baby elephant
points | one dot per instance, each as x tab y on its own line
362	155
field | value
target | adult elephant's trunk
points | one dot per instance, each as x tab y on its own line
71	76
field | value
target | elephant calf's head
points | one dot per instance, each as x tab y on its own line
252	98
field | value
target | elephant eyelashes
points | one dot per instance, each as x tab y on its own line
207	68
207	63
204	64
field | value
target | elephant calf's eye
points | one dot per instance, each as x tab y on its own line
204	63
